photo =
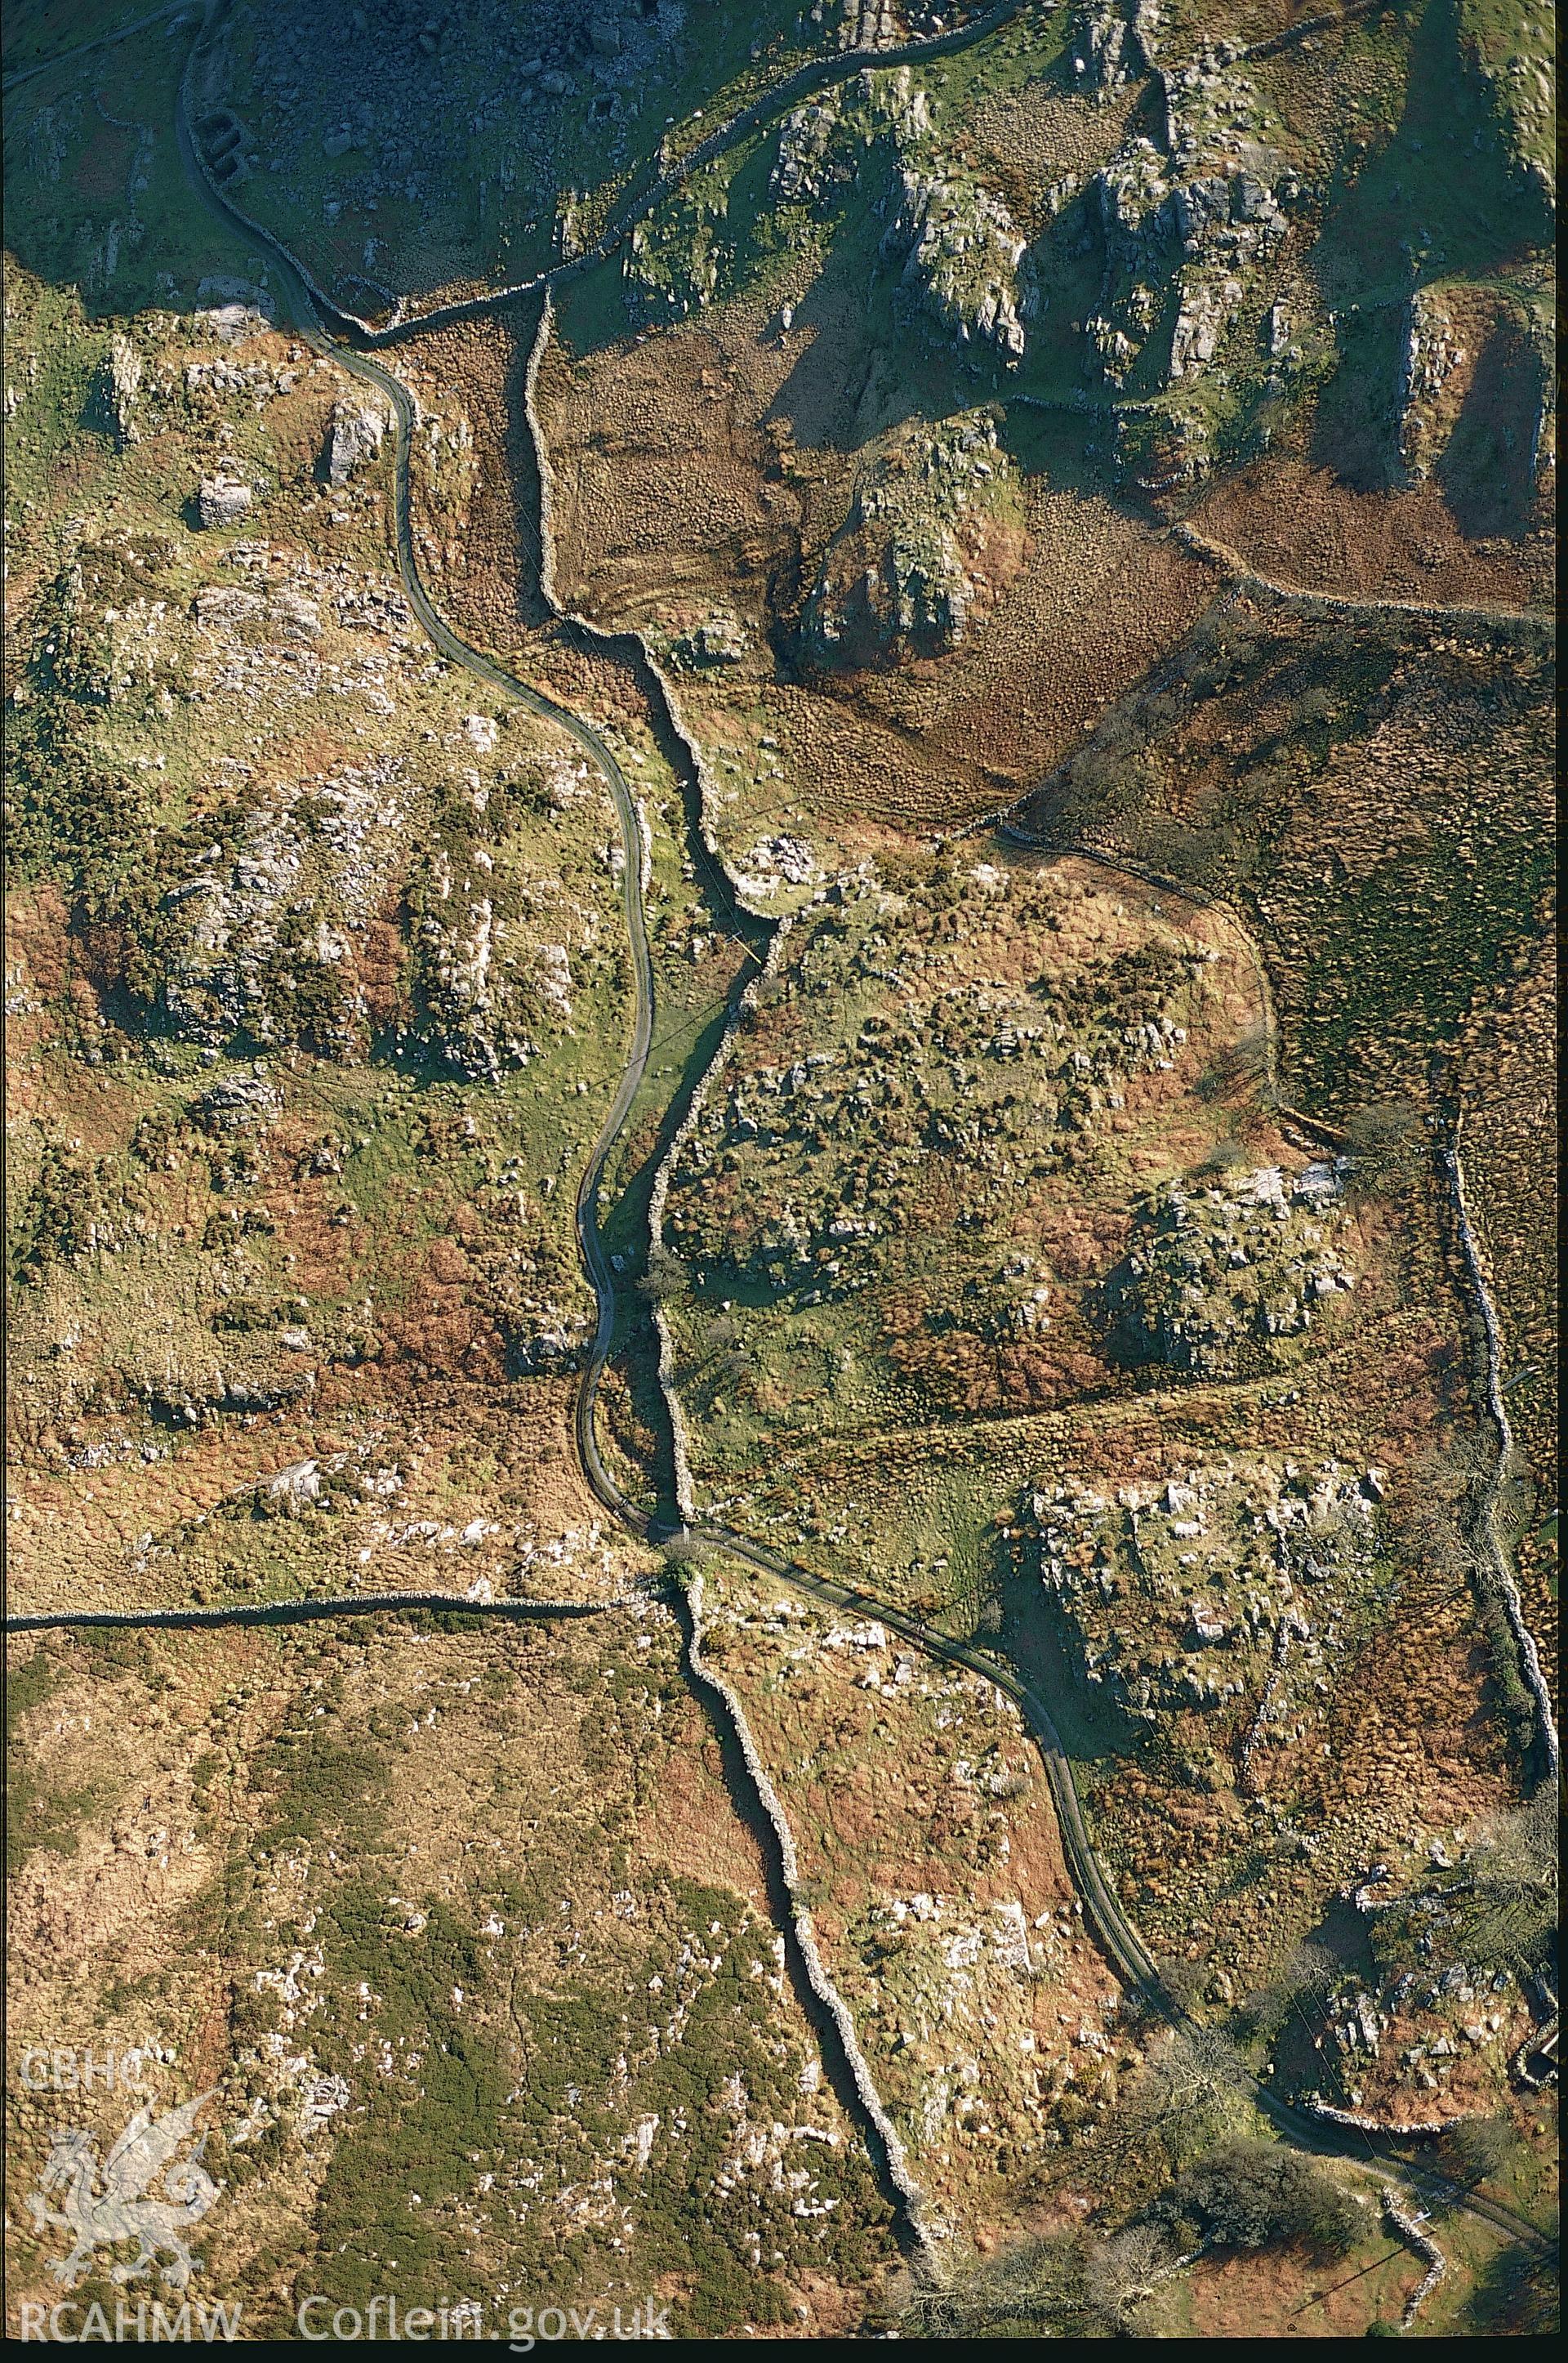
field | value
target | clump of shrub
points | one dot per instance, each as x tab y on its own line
1257	2194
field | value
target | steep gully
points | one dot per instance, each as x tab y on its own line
1123	1945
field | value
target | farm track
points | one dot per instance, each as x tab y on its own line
1121	1940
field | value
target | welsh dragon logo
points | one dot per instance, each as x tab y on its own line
106	2204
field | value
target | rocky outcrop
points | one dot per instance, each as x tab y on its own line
720	638
259	941
822	143
358	430
1431	355
232	323
773	864
1221	1584
1211	231
1216	1279
237	1103
808	169
222	500
1209	110
931	537
967	265
1190	222
1148	30
120	383
869	25
1208	307
473	1006
1111	45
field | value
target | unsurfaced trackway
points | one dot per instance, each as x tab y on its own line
1121	1940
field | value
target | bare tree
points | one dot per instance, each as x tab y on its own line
1122	2274
1384	1141
1509	1915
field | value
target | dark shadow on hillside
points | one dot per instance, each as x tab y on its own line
1355	427
866	361
1442	198
1486	472
398	153
1035	1643
522	474
1343	1940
